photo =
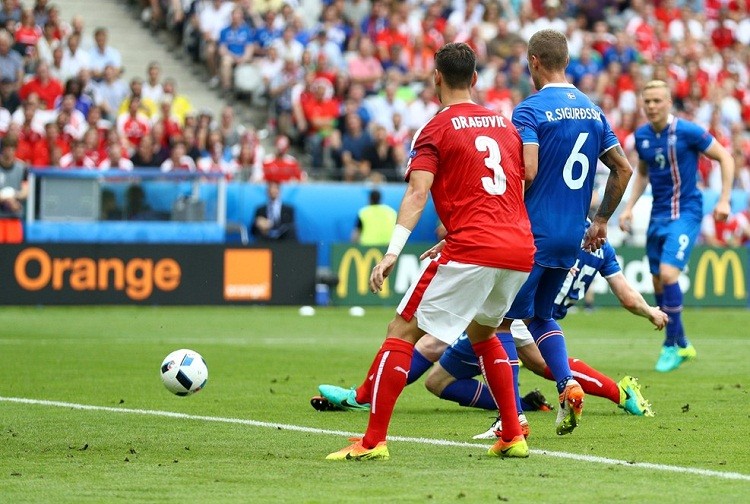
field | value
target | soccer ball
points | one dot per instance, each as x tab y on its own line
184	372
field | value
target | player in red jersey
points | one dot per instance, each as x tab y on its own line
470	160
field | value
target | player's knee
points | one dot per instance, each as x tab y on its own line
437	380
401	329
668	274
430	347
433	386
533	361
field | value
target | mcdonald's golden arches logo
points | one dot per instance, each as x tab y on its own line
363	262
720	265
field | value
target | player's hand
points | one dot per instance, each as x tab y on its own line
433	252
595	237
381	271
658	318
625	220
721	211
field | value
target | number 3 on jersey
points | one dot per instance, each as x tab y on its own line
496	184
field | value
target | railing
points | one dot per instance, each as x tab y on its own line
97	179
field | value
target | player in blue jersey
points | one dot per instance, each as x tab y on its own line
668	150
456	368
452	377
564	135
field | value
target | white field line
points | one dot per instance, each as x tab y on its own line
428	441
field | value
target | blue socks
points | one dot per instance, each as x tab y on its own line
419	365
549	338
672	297
469	392
506	339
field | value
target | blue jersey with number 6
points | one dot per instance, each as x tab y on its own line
571	133
588	264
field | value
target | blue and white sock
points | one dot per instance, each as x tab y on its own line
673	307
549	338
469	392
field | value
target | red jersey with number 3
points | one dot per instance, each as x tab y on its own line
476	156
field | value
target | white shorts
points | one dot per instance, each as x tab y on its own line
521	334
448	295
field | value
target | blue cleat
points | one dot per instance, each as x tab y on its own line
668	359
672	357
341	398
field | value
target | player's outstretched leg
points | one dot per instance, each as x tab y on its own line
626	394
631	399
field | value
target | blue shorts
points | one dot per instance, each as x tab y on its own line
537	295
459	359
671	241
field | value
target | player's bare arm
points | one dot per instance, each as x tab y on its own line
619	176
412	206
717	152
620	172
531	163
633	301
639	186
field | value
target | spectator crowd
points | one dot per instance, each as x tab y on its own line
346	83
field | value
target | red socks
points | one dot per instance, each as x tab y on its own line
385	381
493	361
592	381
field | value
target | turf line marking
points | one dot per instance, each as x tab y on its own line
428	441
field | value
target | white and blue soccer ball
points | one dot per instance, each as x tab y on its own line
184	372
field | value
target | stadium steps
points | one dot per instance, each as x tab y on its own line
139	47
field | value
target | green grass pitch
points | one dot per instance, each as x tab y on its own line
264	365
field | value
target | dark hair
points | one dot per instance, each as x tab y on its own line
375	197
457	63
551	47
